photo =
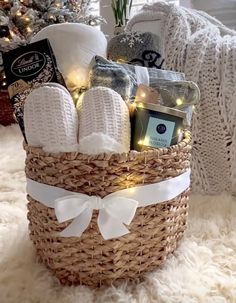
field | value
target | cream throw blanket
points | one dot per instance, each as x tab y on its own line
205	51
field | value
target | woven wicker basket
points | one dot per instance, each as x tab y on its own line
154	231
6	109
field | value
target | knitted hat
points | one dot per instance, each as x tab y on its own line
51	119
104	124
144	49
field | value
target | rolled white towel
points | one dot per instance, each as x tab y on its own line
51	119
104	124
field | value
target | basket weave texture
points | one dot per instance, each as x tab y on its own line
6	109
89	259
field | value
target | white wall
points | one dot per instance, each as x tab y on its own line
106	12
186	3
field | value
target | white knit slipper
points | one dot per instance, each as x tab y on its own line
104	124
51	119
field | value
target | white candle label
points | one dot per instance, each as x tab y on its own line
159	133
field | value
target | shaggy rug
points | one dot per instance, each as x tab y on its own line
203	269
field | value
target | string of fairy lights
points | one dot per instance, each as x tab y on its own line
21	19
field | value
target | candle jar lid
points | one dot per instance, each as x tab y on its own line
178	94
162	109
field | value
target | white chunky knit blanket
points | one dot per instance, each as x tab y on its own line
205	51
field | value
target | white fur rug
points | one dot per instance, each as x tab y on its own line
203	269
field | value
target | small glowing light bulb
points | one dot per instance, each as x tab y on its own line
77	80
131	190
140	142
76	95
51	17
6	1
121	60
29	29
146	141
140	105
4	83
179	102
4	76
12	34
132	106
18	13
143	94
193	107
179	130
27	19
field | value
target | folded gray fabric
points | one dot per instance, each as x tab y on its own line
144	49
125	78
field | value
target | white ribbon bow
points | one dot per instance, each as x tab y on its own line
113	212
115	209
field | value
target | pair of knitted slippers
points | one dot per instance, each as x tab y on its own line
99	124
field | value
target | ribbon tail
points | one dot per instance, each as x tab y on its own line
109	226
78	225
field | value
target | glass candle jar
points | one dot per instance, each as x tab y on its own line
155	126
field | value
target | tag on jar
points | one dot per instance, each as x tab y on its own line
159	132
